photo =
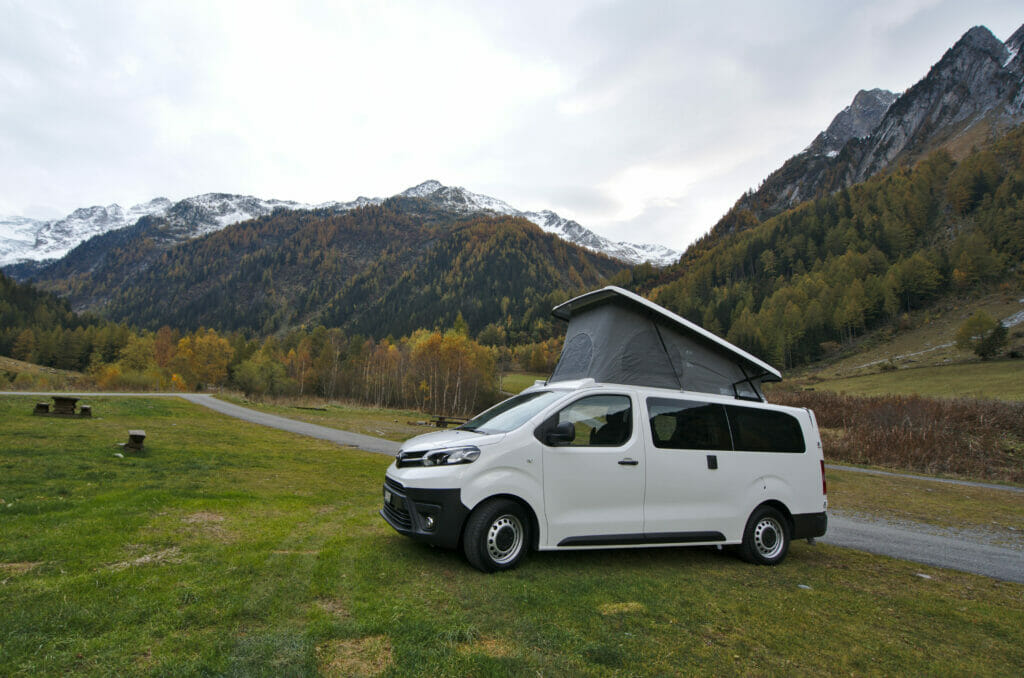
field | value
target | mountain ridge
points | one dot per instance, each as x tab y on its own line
24	240
972	95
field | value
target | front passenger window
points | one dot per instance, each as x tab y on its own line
600	421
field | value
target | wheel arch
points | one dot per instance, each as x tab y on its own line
530	513
778	506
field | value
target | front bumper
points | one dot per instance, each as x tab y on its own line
432	516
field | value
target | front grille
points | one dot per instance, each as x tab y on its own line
395	509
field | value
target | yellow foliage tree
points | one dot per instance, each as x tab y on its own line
203	357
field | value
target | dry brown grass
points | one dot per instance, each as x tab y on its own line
17	568
170	555
368	656
491	646
981	439
609	609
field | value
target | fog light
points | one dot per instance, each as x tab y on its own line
428	522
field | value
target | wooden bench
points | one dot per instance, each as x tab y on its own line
63	406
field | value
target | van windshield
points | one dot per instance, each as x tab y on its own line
512	413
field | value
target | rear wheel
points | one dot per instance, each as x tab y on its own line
497	535
766	537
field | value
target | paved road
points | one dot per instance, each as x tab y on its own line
958	550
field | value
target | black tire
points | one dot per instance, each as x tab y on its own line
766	537
497	535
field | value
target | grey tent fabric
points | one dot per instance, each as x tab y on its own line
617	337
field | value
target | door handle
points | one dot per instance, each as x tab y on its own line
628	462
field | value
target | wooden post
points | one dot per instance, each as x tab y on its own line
135	439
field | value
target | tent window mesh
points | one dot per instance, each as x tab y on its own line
576	357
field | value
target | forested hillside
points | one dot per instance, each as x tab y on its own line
800	284
378	270
41	328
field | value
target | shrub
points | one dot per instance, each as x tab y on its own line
982	334
974	438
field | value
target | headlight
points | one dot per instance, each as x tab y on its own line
447	456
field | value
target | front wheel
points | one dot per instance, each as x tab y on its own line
497	535
766	537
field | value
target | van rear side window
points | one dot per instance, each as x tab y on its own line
757	430
693	425
688	425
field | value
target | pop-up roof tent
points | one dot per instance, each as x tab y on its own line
617	337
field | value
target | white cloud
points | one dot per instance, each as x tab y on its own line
643	120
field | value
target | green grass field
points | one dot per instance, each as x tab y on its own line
230	549
397	425
998	379
517	381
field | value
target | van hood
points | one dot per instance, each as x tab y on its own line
452	438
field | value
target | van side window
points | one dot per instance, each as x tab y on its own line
757	430
688	425
604	420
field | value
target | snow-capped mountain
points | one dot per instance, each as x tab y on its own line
23	239
458	199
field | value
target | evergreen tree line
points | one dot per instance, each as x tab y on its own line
807	281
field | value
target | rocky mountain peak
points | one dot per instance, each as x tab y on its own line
973	94
423	190
856	121
1016	41
980	39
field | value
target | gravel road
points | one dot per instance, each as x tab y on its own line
363	442
928	544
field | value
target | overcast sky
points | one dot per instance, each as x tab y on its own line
644	121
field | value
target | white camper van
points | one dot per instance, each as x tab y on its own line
650	432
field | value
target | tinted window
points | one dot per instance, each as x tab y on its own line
604	420
756	430
688	425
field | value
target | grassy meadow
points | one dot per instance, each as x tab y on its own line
996	379
229	549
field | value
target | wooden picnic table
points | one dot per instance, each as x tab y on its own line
64	405
441	421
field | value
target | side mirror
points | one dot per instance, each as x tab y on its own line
562	434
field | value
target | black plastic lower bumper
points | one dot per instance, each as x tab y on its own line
807	525
433	516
